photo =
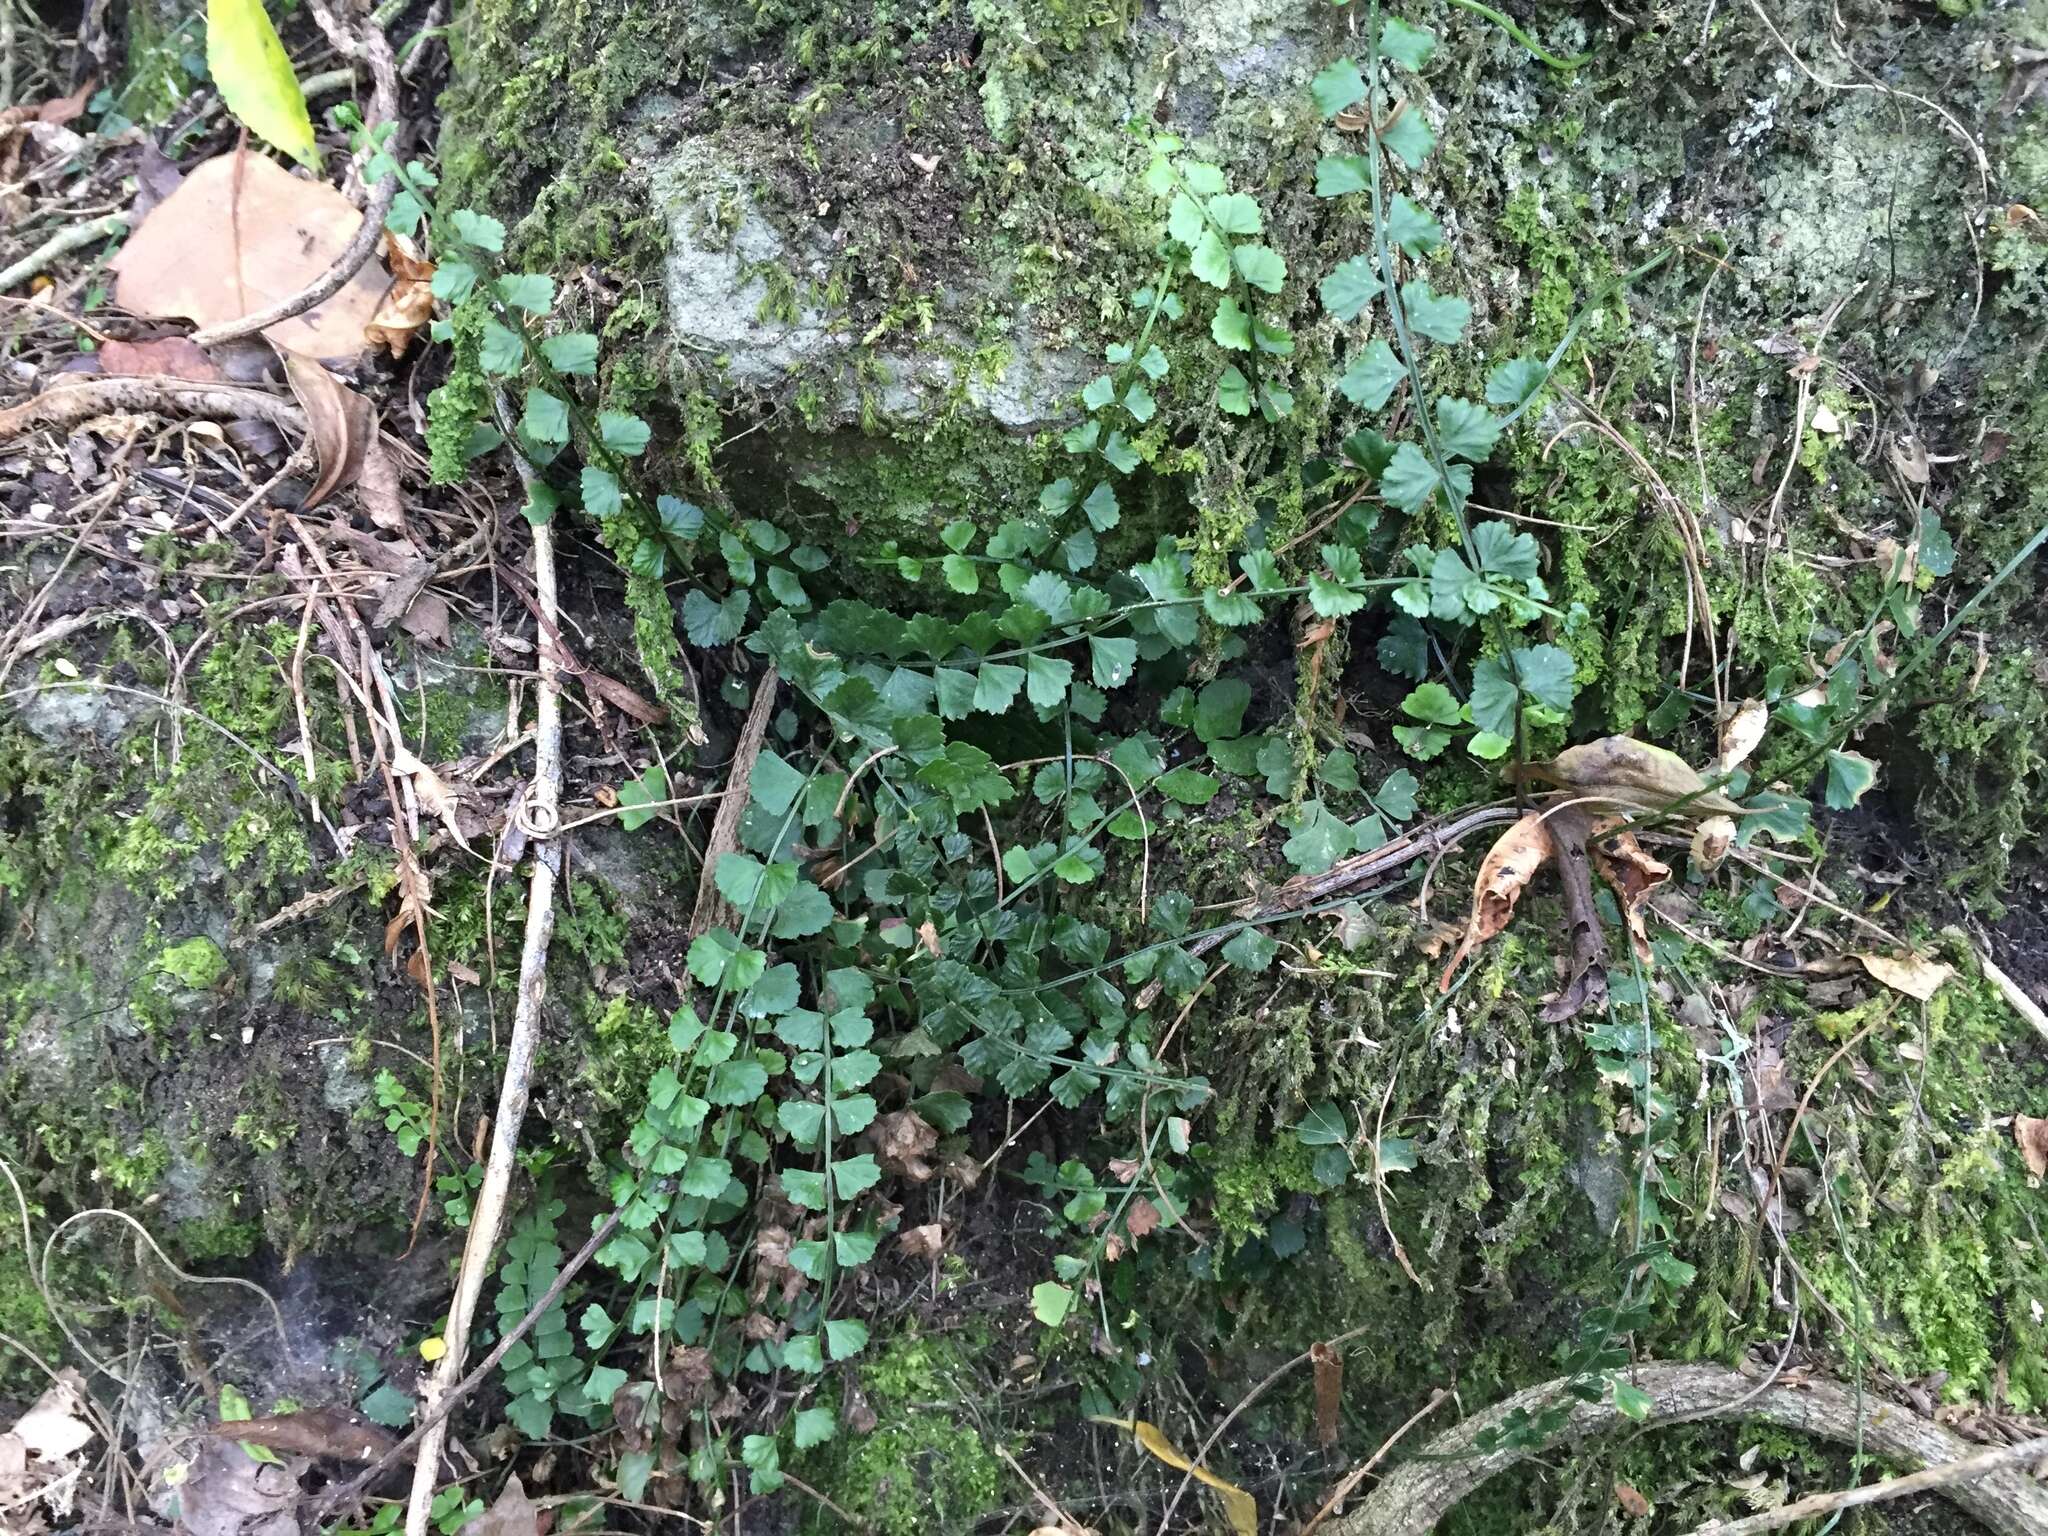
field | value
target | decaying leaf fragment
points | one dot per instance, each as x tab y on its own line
2032	1136
1510	864
410	302
1711	840
1632	874
1740	733
1915	975
1238	1506
341	423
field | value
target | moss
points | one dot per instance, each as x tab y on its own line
1923	1235
927	1466
195	962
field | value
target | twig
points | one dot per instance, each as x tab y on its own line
803	1487
348	1493
725	827
540	815
1948	1475
63	243
1359	1473
1187	1478
1379	1184
1785	1148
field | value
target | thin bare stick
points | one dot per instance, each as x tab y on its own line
63	243
541	816
1359	1473
345	1496
1947	1475
711	910
1188	1477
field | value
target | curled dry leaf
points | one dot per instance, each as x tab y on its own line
436	797
1740	733
210	255
410	302
1915	975
1633	875
1632	773
1711	840
1142	1218
925	1242
340	422
902	1143
1510	864
2032	1136
415	898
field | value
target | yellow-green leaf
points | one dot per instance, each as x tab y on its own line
1238	1506
248	63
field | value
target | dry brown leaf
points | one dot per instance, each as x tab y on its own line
332	1432
226	1493
1125	1169
410	302
1239	1506
686	1379
1633	875
340	421
1633	773
512	1514
181	258
415	898
1915	975
168	357
378	488
1510	864
2032	1136
1711	840
1142	1218
1329	1369
436	798
1740	733
902	1143
925	1242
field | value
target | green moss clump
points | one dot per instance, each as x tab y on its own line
924	1467
195	962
